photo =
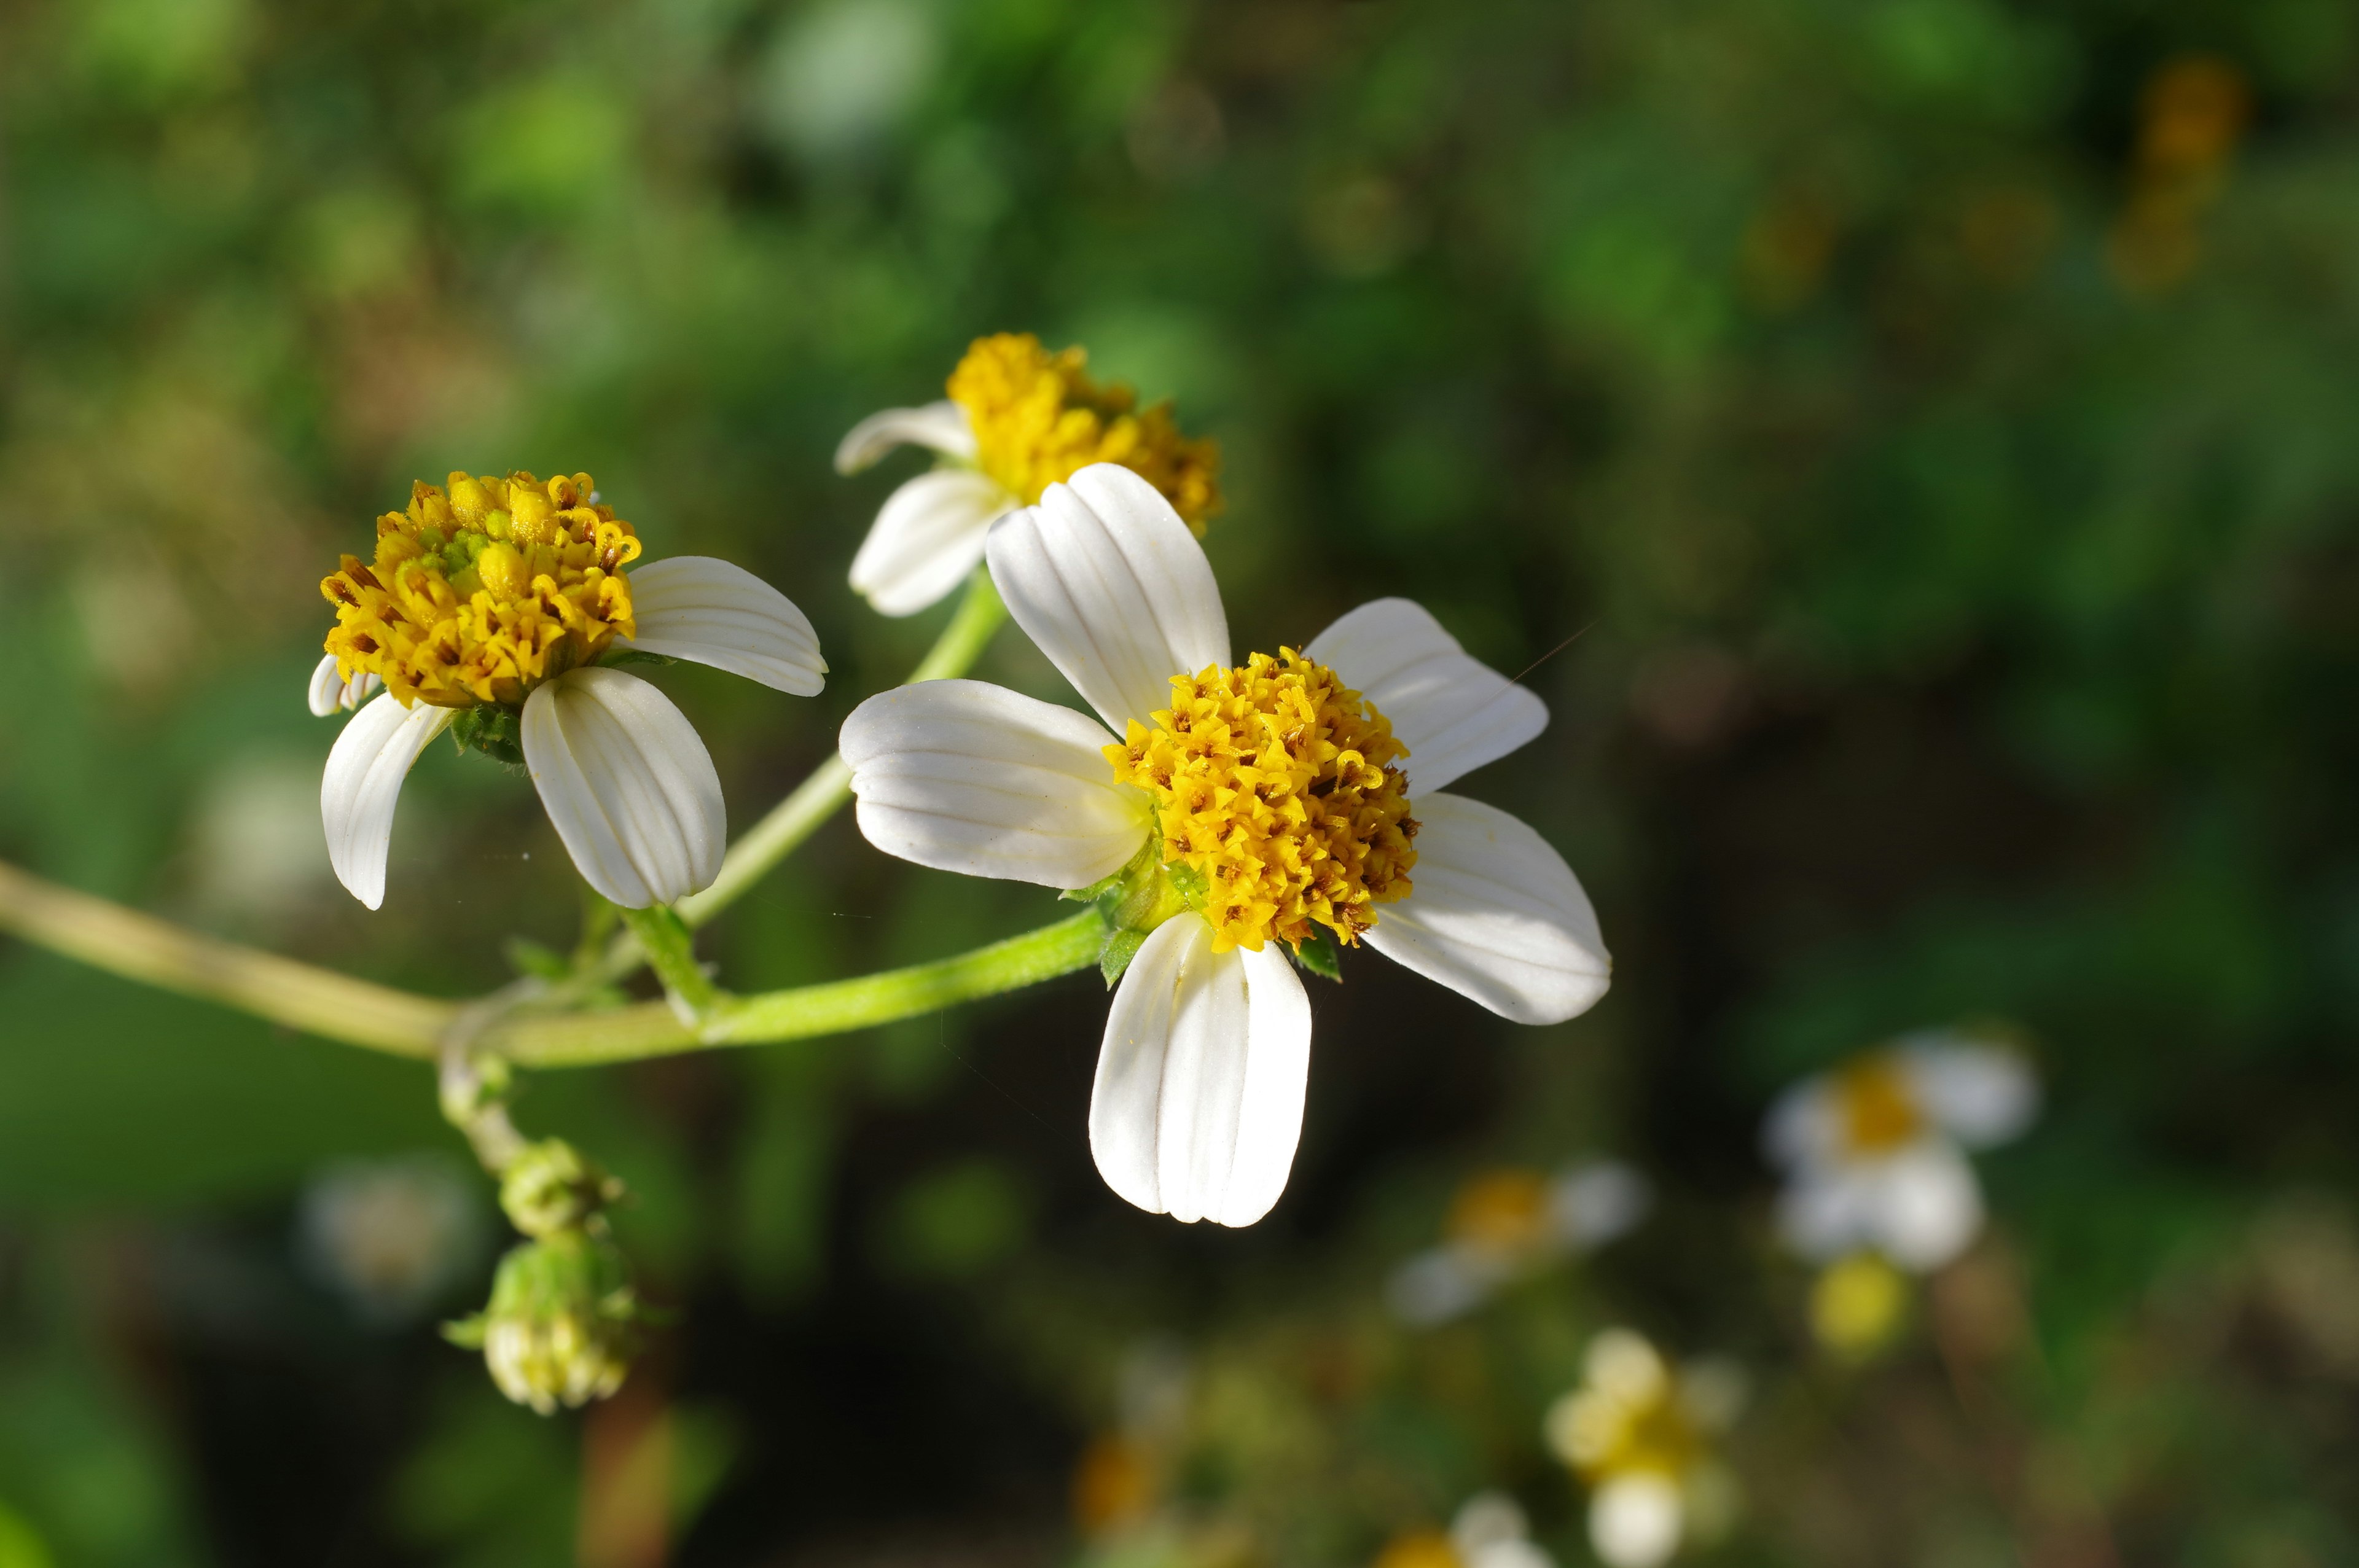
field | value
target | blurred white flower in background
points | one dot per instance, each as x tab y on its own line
1874	1151
1506	1224
392	1237
255	851
1489	1532
1639	1434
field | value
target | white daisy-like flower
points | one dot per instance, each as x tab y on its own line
1018	419
489	608
1874	1151
1489	1530
1506	1224
1639	1433
1246	808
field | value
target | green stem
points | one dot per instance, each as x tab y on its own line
804	1012
671	952
336	1006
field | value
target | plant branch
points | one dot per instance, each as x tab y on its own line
359	1012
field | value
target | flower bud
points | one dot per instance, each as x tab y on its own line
549	1187
562	1325
503	571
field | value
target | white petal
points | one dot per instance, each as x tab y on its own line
1635	1520
631	788
1198	1103
1804	1126
1494	914
943	426
1979	1093
1454	712
1920	1207
926	538
1591	1205
713	612
1435	1286
1105	577
966	776
362	781
1512	1553
331	693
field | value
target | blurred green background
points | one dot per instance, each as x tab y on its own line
1938	419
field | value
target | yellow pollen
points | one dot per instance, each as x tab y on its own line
1039	418
1879	1113
1274	785
478	594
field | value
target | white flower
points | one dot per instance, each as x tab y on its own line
1198	1102
1640	1431
1018	419
1490	1531
1506	1224
391	1235
491	606
1875	1151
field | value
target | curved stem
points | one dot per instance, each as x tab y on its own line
799	815
359	1012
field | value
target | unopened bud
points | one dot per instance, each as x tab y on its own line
562	1325
549	1187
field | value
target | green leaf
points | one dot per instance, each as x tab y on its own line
530	957
1121	948
1320	955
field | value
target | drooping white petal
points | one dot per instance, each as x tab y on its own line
716	612
357	792
926	538
964	776
1978	1092
331	693
943	426
1635	1520
1198	1103
1496	914
1921	1207
1454	712
1108	581
629	786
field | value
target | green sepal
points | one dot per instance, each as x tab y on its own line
496	731
1121	948
1098	888
1190	883
637	656
1320	955
467	1333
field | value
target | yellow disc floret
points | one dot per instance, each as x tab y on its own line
1878	1107
478	594
1039	418
1276	789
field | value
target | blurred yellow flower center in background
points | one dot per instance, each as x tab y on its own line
479	594
1420	1548
1274	784
1857	1304
1500	1211
1879	1113
1113	1485
1039	419
1615	1429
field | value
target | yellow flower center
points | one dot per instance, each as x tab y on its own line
1879	1113
1039	418
1501	1212
478	595
1277	799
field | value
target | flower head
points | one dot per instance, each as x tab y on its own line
1639	1433
1018	419
562	1325
1489	1530
1509	1222
1272	800
1874	1151
490	605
